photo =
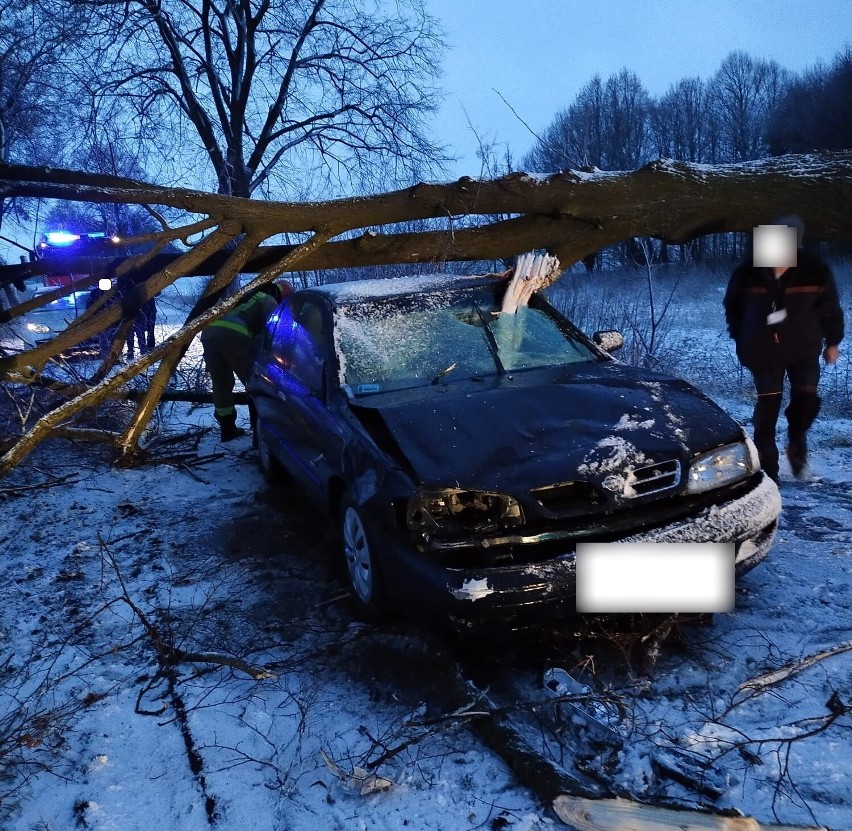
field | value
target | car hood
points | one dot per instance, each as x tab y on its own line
526	432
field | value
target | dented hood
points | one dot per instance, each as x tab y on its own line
536	429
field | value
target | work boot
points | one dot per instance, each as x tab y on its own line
228	427
803	410
765	419
797	453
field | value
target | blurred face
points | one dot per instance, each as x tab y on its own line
775	246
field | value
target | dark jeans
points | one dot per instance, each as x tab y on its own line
801	412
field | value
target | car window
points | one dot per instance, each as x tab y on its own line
531	338
297	341
396	344
280	328
307	345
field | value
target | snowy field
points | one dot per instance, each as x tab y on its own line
177	651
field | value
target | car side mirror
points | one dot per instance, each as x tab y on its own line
610	340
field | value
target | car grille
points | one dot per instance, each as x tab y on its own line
654	478
567	496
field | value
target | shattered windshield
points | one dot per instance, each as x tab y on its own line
398	343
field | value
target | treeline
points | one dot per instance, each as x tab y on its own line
749	109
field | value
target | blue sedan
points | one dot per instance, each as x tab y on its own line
463	452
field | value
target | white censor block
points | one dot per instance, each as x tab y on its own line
650	578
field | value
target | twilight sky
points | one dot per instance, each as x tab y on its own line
538	54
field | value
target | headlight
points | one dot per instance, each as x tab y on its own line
38	328
457	511
720	467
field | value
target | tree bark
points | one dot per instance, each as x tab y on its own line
605	814
675	201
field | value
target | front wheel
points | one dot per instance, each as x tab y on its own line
360	559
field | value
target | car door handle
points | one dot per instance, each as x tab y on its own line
318	460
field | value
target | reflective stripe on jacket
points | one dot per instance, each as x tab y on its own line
249	317
807	296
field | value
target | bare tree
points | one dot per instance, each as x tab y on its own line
276	97
605	127
32	43
626	119
681	122
24	54
745	92
575	137
814	113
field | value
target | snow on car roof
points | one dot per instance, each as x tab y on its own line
357	291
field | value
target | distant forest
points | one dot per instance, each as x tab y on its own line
748	110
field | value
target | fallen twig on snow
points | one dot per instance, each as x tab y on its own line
770	679
170	655
62	480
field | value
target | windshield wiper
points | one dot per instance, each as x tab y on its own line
492	341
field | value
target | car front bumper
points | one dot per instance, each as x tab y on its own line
517	596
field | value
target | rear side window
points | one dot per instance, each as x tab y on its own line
297	345
279	331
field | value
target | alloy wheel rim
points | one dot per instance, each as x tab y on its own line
357	552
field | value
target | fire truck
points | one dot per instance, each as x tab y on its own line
56	246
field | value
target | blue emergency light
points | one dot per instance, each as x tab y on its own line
61	238
67	239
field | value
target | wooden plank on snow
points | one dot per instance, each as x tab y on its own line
625	815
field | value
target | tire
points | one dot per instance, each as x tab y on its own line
359	557
269	466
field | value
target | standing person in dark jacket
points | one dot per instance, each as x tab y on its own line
142	331
229	348
783	311
106	339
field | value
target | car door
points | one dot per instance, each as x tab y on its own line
299	390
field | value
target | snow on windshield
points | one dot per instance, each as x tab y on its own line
393	346
361	291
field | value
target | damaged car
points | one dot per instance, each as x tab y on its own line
464	452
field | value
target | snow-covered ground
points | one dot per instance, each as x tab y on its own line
283	711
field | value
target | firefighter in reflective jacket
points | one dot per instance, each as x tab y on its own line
229	348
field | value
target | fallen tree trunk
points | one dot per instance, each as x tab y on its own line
571	214
672	200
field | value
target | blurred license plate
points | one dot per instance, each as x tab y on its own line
655	577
